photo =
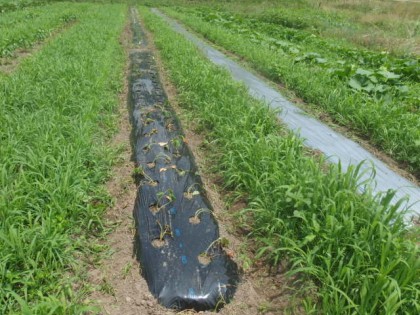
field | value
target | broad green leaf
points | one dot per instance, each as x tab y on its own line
403	88
355	84
369	87
388	75
364	72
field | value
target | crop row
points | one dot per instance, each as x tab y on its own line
301	211
294	40
56	112
22	28
384	25
375	95
12	5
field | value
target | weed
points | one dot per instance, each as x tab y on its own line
126	269
107	287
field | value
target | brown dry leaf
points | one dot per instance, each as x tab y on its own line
164	169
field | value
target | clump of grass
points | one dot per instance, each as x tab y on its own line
353	246
56	113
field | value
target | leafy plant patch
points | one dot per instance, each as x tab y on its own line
373	93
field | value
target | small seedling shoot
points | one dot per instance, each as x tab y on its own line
209	253
162	156
164	198
204	259
165	112
191	192
177	142
170	127
147	147
195	219
140	172
148	121
164	230
220	243
181	172
151	133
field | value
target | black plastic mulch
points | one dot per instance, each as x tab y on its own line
177	238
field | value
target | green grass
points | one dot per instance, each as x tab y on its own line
374	95
23	28
382	25
12	5
351	250
56	113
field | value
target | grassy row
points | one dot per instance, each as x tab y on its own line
56	112
339	25
382	25
297	42
391	124
22	28
11	5
299	210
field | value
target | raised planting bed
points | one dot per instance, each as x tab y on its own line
177	237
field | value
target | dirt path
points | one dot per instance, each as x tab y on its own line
119	286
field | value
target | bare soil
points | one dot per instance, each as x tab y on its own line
118	285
